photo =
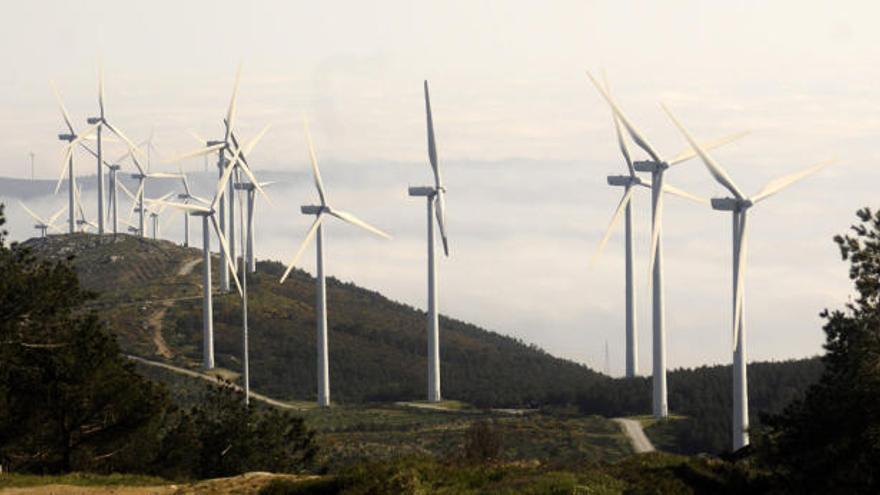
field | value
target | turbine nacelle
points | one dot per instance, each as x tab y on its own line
624	180
423	191
67	137
94	120
314	209
730	204
649	166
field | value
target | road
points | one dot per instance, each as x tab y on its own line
195	374
636	434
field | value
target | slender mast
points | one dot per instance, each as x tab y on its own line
659	373
321	316
433	323
632	344
207	304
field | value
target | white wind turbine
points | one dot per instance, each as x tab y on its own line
317	231
221	147
157	207
44	224
739	205
187	197
72	139
436	208
101	121
657	167
142	176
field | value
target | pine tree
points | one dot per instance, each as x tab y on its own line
829	442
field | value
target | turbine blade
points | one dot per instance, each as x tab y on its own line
714	169
432	142
633	132
230	112
302	247
203	151
64	113
624	149
249	146
68	152
185	182
200	139
31	213
656	228
225	246
224	180
137	195
125	190
348	217
440	213
689	153
101	88
316	173
621	206
163	175
684	194
781	183
57	214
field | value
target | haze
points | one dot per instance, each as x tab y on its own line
525	140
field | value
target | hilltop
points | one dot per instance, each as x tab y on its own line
150	294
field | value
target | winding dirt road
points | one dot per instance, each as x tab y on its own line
636	434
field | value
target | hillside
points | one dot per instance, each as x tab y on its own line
149	293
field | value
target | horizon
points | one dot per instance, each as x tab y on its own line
524	139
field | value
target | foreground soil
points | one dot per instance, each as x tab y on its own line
246	483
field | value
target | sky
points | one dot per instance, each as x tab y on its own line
524	140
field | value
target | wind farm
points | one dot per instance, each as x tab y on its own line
538	327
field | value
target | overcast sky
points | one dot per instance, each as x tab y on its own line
525	140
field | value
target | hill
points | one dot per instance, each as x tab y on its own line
150	294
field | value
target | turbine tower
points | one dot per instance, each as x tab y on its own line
72	139
101	121
250	193
657	167
209	216
317	231
739	205
436	209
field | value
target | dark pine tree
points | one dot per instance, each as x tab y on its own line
829	442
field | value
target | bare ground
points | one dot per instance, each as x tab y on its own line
245	483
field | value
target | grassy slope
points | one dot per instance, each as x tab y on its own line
377	346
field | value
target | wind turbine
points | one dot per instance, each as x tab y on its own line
101	121
221	147
141	176
739	205
317	231
43	225
187	197
158	206
657	167
72	138
83	221
436	209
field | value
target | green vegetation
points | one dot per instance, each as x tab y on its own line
645	474
70	401
829	441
